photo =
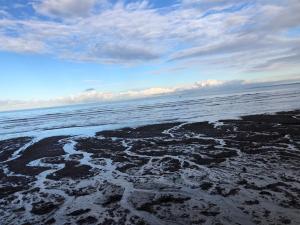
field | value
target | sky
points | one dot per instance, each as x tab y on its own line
56	52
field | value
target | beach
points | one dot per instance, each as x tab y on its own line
148	112
237	171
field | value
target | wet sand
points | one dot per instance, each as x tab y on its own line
244	171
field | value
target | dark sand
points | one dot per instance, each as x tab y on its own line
243	171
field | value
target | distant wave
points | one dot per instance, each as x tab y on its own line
193	105
91	95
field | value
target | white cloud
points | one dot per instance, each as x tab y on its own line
280	17
21	45
250	43
3	13
123	52
64	8
138	33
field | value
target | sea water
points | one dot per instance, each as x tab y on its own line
208	104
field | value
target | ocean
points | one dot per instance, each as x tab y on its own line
209	104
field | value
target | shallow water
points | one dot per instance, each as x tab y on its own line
190	106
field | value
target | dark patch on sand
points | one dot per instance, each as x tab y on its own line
72	170
41	208
8	147
48	147
149	131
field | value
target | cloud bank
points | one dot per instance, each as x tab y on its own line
92	95
135	32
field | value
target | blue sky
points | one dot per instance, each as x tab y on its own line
57	52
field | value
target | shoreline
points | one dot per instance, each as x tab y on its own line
239	171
